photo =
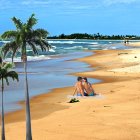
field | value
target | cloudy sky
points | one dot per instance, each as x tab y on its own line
71	16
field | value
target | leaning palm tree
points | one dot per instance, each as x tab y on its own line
5	73
25	36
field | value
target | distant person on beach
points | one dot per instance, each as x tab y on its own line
79	89
88	89
124	41
127	41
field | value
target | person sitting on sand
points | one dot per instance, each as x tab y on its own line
88	87
79	89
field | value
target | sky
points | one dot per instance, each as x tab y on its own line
107	17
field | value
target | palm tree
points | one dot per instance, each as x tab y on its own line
25	36
5	73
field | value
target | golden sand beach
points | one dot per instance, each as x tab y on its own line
113	115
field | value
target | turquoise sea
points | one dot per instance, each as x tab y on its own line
52	69
60	47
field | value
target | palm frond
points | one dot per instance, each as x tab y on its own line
6	79
38	42
33	35
1	55
5	72
18	38
31	22
47	45
13	75
14	51
41	32
17	23
2	72
9	47
9	35
33	47
7	66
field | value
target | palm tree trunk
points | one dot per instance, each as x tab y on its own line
28	117
2	115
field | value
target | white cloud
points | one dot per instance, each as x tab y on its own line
5	4
34	2
112	2
62	5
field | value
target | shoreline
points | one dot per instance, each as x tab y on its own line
10	117
111	115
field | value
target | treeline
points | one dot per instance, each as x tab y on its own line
95	36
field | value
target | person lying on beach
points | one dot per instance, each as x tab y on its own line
88	89
79	89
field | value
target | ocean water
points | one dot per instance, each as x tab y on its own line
61	47
53	69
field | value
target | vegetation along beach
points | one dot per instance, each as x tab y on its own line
43	55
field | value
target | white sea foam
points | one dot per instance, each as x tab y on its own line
62	42
113	47
53	47
73	42
5	41
110	47
94	43
74	47
29	50
51	50
30	58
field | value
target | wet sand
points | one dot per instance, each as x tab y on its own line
134	44
115	116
